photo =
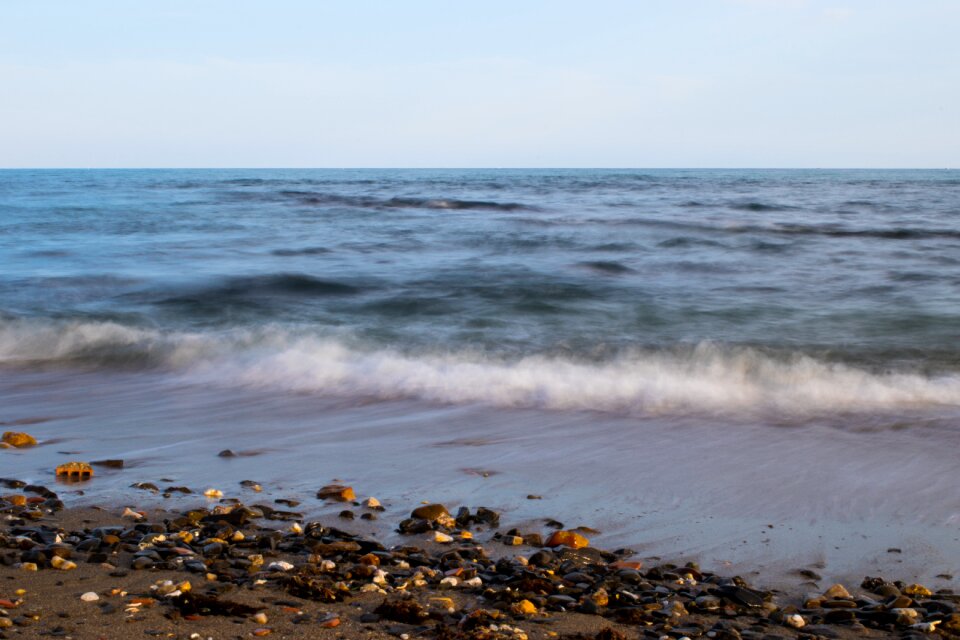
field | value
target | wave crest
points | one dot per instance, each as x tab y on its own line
705	378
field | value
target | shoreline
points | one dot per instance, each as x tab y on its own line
452	575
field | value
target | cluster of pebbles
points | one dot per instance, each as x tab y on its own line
459	576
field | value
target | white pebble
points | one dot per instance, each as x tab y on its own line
280	565
795	620
90	596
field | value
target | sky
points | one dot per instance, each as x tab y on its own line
518	83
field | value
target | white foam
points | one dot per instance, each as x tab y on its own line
708	378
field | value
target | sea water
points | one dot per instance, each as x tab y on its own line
685	356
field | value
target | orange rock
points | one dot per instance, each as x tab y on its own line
627	564
18	439
142	601
370	559
262	631
338	492
331	623
9	604
16	500
75	471
567	539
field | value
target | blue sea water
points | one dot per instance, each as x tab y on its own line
630	291
746	367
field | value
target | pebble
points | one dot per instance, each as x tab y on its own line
18	439
570	539
837	592
338	492
226	544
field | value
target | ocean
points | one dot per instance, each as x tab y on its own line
737	366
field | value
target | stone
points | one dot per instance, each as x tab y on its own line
441	537
90	596
226	453
16	500
75	471
338	492
431	512
213	493
108	464
567	539
524	607
837	592
18	439
917	590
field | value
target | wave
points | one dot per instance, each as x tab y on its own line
707	378
254	289
334	199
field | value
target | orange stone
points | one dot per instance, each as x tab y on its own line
262	631
567	539
338	492
331	623
18	439
627	564
16	500
9	604
370	559
75	471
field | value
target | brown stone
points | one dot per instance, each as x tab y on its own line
837	592
16	500
19	439
431	512
338	492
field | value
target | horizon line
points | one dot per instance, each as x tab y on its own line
474	168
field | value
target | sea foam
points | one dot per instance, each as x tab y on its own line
703	378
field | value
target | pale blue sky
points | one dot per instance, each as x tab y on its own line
599	83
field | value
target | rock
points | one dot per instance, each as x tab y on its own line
18	439
260	618
280	565
346	514
441	537
338	492
90	596
213	493
108	464
16	500
794	620
837	592
568	539
917	590
431	513
227	453
525	608
57	562
75	471
373	503
951	623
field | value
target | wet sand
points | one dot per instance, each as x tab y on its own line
735	497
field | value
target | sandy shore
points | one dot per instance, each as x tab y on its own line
245	565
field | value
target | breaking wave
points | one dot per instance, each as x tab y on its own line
706	378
